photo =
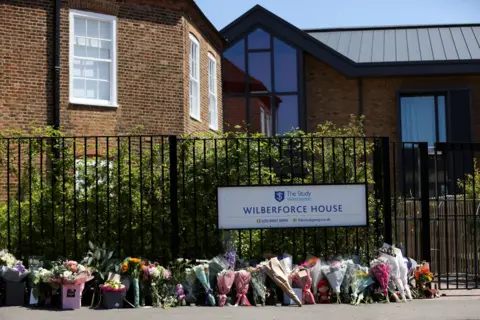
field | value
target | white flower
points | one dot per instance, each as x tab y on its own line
67	274
154	272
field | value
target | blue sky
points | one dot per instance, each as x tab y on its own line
348	13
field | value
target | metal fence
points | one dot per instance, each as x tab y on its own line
155	196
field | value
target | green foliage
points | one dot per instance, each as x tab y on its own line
101	261
471	183
72	191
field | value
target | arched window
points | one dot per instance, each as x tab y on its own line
261	84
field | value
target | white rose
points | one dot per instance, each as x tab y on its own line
67	274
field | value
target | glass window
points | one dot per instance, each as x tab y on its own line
194	77
260	71
92	59
286	113
423	119
234	69
212	93
258	39
285	58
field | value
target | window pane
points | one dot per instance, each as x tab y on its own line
80	26
104	90
442	122
285	59
260	71
105	30
79	88
286	113
91	89
78	68
105	47
103	70
259	108
79	48
92	48
418	119
90	69
259	39
92	28
234	68
234	113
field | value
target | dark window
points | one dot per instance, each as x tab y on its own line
285	58
423	119
258	39
266	78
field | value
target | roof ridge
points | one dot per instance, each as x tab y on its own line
419	26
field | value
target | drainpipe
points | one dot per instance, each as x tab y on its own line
56	68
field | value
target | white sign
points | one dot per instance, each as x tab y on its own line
250	207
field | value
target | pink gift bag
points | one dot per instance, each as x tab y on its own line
72	296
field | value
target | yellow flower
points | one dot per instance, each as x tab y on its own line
134	260
124	267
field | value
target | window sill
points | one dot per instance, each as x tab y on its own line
216	130
93	103
195	119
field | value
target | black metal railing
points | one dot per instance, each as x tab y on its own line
155	196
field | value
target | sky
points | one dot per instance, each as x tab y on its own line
307	14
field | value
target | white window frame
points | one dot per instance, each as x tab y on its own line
262	119
212	92
269	125
113	63
194	109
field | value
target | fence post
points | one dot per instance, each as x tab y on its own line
425	200
387	201
175	239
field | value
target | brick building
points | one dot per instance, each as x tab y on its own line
117	65
418	83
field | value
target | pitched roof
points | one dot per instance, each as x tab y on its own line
354	55
403	43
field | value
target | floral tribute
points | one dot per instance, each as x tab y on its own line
113	286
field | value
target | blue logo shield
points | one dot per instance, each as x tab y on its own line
279	196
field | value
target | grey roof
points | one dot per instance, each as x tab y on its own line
403	44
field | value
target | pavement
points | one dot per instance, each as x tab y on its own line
464	305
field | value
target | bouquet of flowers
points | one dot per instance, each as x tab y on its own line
161	286
215	266
41	283
180	295
202	273
190	278
315	271
302	277
242	281
113	286
225	281
133	267
274	269
71	273
423	276
335	274
11	269
361	281
258	285
287	262
350	276
381	271
397	269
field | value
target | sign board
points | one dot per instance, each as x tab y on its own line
259	207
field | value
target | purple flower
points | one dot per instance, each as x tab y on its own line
20	268
231	257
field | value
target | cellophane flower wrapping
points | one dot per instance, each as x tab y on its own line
215	266
71	273
242	282
388	253
381	271
350	275
190	279
361	281
302	277
275	270
133	267
335	274
258	285
315	266
11	269
202	273
225	280
40	277
287	263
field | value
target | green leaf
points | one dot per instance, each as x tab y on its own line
90	244
90	260
98	255
110	254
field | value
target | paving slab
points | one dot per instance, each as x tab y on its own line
435	309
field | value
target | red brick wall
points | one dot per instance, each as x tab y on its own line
151	67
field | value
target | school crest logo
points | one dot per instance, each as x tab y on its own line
279	196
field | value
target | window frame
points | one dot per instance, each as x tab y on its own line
113	64
212	95
435	95
262	120
194	112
